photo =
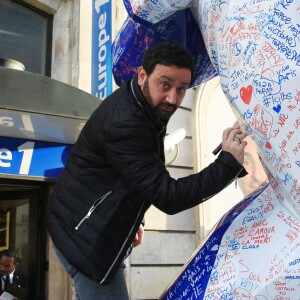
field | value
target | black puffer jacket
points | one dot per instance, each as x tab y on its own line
114	173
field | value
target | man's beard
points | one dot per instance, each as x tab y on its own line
162	115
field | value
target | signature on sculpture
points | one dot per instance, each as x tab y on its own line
254	46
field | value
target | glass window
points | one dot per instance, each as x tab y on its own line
21	232
25	36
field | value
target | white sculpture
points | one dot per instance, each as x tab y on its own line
254	45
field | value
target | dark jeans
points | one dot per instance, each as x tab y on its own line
88	289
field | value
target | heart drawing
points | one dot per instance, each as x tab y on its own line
246	94
277	108
268	145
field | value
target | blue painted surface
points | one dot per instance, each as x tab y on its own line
32	158
101	49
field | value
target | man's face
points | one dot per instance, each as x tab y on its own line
165	88
7	265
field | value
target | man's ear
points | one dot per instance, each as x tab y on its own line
142	75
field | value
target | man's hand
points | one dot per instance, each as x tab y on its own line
233	142
138	239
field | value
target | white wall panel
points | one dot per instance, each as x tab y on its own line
158	220
215	115
178	172
182	155
150	283
180	119
188	101
164	248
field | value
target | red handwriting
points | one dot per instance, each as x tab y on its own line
262	121
297	97
282	119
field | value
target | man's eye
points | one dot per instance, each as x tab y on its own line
165	85
181	90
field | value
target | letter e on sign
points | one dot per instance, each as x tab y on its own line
5	157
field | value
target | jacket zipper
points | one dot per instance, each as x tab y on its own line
163	128
93	207
113	263
234	179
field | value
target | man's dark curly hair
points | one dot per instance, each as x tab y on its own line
169	53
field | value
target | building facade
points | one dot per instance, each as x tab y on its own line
63	48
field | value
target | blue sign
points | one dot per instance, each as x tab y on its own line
32	158
101	49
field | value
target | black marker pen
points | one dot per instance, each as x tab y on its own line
217	150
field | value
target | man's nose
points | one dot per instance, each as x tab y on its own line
172	97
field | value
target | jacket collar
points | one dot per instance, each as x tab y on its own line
142	102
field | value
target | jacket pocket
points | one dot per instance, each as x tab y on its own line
92	209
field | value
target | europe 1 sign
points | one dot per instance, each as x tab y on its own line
21	157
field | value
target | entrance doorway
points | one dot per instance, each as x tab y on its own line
22	227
